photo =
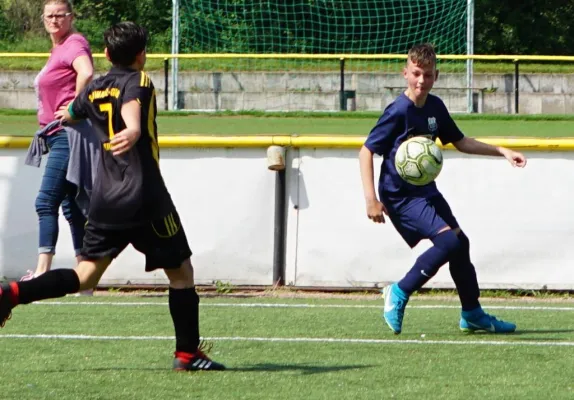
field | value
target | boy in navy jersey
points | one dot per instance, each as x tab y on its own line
420	212
130	203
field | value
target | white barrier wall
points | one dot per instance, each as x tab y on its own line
224	197
520	221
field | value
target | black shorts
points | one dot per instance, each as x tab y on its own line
163	242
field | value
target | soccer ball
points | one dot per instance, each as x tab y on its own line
418	160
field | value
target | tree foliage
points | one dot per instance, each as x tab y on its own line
501	27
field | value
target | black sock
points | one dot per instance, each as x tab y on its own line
52	284
184	310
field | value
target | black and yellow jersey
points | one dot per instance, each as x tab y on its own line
128	190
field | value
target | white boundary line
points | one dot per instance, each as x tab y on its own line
301	340
286	305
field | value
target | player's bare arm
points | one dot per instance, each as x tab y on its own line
375	209
472	146
124	140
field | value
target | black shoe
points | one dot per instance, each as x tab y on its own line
5	305
197	361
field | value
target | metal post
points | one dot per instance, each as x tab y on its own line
166	84
470	51
175	50
516	75
342	98
279	231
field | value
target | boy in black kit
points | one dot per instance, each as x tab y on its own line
130	203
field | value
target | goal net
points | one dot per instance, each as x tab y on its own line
285	30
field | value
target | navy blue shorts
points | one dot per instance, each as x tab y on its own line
421	218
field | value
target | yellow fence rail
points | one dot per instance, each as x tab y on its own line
349	142
497	57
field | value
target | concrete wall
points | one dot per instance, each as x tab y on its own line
317	91
520	221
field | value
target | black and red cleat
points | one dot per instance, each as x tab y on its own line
197	361
5	304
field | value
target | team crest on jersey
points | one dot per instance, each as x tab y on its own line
432	124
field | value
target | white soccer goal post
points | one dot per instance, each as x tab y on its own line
318	28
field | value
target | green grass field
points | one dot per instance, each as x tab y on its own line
307	348
24	124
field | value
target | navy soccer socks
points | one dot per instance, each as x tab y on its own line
452	248
464	275
446	244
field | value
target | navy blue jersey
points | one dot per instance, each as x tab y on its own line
400	121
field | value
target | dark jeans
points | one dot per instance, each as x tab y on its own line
55	190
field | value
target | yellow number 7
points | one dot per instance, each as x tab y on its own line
108	109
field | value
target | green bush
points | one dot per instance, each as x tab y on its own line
92	18
7	32
501	27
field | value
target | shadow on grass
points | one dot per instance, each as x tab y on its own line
305	369
535	331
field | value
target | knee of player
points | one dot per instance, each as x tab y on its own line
182	277
464	241
90	271
448	240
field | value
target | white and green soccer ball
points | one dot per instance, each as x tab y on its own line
418	160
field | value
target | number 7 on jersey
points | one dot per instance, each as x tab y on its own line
108	109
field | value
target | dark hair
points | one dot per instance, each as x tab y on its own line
422	54
124	41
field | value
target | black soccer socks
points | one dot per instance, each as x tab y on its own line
52	284
184	310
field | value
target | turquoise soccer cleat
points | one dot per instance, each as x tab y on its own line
478	320
395	303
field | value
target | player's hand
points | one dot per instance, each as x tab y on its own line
63	114
515	158
124	140
376	211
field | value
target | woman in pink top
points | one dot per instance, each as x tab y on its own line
68	70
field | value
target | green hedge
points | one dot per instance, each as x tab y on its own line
20	19
531	27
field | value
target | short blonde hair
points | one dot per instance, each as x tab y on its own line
422	55
67	3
